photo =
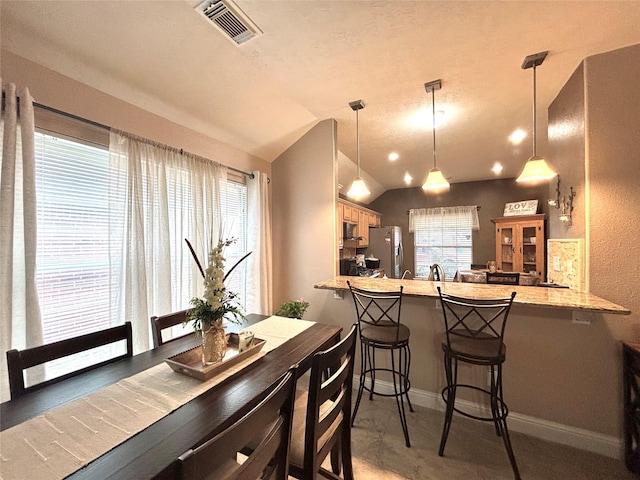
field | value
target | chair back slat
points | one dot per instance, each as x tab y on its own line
162	322
20	360
269	423
329	399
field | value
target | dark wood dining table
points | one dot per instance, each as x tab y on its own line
152	453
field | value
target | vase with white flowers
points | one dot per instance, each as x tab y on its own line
208	313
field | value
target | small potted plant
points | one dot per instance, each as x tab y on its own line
293	309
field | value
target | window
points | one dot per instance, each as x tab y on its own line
74	263
444	236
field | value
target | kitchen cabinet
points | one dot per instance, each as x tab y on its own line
362	217
363	229
520	244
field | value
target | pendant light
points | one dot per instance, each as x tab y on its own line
536	169
358	188
435	181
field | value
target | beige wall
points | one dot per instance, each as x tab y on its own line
566	152
304	208
63	93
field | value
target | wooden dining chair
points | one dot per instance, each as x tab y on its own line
20	360
322	419
162	322
270	421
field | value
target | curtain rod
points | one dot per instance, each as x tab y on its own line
106	127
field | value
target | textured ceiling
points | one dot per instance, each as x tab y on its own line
314	57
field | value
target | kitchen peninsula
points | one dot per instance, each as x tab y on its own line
564	299
563	374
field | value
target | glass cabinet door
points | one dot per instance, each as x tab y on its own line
507	239
529	254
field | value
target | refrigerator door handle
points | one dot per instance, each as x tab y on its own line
401	251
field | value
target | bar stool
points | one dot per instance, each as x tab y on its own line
380	329
474	334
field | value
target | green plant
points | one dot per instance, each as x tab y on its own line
293	309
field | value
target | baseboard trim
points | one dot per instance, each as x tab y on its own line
554	432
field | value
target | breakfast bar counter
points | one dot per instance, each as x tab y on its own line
557	298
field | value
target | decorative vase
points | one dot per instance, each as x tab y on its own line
214	344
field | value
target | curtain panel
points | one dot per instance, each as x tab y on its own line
259	275
19	308
423	218
164	196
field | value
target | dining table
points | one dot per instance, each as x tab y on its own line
152	453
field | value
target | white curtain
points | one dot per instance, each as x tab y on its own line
19	308
422	218
259	275
163	195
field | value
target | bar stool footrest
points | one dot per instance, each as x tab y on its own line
403	386
503	410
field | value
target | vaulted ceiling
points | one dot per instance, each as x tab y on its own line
314	57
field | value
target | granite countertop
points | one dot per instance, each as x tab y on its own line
562	298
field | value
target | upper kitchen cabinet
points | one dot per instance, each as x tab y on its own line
361	217
520	244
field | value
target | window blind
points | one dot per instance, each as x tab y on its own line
443	235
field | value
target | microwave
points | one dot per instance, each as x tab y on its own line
349	231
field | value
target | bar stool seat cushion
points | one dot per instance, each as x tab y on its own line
385	334
481	347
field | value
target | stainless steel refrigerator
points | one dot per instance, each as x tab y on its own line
385	243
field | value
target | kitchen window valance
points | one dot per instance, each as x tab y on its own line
430	218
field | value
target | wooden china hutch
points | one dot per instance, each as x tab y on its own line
520	244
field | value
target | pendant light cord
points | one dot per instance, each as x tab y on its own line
534	111
358	140
433	117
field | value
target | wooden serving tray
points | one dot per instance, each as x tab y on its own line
190	362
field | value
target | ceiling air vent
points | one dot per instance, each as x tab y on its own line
228	17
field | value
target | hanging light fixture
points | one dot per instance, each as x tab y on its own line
435	181
536	169
358	188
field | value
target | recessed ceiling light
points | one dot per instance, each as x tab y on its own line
407	178
497	168
393	156
517	136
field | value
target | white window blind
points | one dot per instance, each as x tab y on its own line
443	235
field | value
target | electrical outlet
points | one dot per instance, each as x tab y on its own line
337	294
581	318
489	377
556	263
438	304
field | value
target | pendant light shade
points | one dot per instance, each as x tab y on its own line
435	181
536	169
358	188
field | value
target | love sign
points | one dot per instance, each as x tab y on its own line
525	207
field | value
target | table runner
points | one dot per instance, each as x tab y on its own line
61	441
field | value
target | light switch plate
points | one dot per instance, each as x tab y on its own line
556	264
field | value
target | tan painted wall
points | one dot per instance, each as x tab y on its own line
304	208
566	152
63	93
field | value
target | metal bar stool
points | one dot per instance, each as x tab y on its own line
380	329
474	334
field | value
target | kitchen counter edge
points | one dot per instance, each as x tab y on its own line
560	298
